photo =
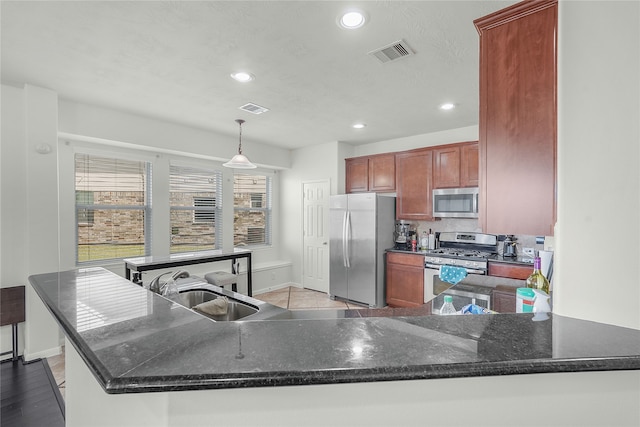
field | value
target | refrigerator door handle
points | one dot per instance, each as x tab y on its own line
348	240
344	239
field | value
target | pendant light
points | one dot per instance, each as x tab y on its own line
239	161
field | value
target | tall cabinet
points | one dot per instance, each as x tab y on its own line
518	119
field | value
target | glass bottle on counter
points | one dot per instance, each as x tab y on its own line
447	307
537	280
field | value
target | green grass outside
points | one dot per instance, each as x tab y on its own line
87	253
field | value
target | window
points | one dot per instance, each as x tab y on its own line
251	210
113	209
256	200
85	216
195	211
204	216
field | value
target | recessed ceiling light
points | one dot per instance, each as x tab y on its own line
447	106
359	125
352	19
242	76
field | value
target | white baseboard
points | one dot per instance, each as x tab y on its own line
276	287
41	354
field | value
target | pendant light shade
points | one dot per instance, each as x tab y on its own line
239	161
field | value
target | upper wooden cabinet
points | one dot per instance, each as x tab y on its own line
370	173
382	172
455	165
413	183
357	175
518	119
469	165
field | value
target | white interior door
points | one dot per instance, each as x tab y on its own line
315	236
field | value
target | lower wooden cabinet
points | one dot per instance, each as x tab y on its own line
405	280
511	271
503	299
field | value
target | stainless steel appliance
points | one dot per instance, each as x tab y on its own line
360	229
455	202
509	246
403	235
461	249
463	295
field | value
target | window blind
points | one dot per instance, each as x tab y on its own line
196	208
252	195
113	208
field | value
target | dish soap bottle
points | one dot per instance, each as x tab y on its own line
424	241
537	280
447	307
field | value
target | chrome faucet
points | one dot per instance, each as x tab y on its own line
160	288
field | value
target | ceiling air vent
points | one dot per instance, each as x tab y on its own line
254	108
391	52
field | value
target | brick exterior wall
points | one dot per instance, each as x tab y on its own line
127	226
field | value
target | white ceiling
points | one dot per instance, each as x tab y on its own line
172	59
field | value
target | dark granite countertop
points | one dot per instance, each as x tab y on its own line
402	251
520	260
136	341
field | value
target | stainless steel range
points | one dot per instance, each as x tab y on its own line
468	250
461	249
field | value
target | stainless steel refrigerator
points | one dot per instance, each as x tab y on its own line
360	229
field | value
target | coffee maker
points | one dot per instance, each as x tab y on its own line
403	235
509	246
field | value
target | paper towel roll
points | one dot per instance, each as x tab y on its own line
432	241
546	258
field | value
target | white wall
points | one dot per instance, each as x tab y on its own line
29	209
598	230
158	135
37	189
307	164
13	207
469	133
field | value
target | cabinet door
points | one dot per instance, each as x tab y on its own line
413	185
510	270
469	165
503	301
518	119
357	175
405	283
382	172
446	167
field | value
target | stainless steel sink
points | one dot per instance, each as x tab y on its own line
236	309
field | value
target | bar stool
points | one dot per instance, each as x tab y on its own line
12	313
222	279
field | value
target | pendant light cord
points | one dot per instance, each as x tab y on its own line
240	122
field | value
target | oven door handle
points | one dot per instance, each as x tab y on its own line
469	270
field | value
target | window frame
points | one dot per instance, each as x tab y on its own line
266	208
146	207
177	168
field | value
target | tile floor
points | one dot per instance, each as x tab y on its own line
291	298
56	363
294	298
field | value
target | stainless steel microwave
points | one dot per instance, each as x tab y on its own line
455	202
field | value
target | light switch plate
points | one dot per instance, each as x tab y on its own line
528	251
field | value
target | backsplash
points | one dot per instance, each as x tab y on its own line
471	225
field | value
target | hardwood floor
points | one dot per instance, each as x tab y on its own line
29	395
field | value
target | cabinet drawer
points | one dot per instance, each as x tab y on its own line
510	271
405	259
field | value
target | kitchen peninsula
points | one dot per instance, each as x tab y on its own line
145	343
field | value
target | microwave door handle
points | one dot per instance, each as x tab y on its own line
475	202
